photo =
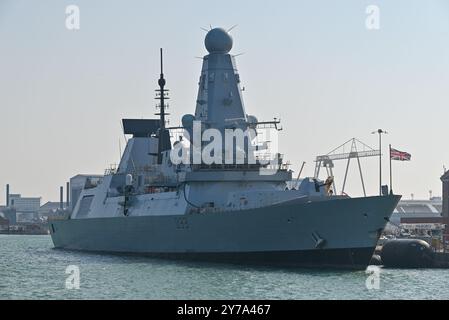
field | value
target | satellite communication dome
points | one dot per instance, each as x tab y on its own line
218	40
252	119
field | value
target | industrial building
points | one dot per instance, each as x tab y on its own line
51	208
428	218
20	215
426	211
4	223
407	209
19	208
24	204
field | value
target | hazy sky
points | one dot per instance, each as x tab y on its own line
312	63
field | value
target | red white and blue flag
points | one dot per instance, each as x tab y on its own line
399	155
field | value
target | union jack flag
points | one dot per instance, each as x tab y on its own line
399	155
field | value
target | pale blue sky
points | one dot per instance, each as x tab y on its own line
311	63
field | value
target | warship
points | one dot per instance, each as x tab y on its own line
176	197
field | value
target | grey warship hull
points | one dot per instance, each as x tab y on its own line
340	233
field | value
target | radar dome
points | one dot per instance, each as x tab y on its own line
218	40
252	119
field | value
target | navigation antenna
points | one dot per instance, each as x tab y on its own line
162	95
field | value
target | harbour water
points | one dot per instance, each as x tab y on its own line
31	269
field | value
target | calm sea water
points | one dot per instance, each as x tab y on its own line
31	269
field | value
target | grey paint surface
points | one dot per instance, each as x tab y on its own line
344	223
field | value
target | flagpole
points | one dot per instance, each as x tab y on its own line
391	174
380	162
380	132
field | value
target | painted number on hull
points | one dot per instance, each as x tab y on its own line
182	223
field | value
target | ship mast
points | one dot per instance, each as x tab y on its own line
162	95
